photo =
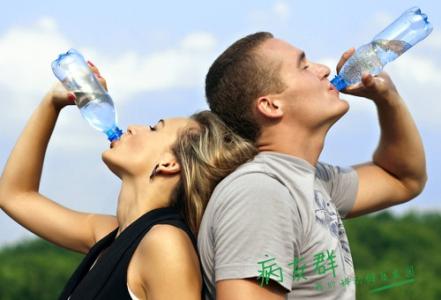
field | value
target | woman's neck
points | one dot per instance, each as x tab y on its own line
137	197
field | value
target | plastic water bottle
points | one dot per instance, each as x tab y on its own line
410	28
94	102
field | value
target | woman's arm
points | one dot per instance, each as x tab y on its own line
19	185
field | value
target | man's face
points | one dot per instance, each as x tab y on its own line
309	99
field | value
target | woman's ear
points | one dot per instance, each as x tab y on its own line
168	165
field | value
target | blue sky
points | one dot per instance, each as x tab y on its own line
155	55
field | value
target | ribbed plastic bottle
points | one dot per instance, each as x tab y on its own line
95	104
410	28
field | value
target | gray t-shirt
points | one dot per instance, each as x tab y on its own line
279	217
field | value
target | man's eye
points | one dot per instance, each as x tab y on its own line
305	67
152	128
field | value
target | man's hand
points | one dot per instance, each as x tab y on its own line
377	88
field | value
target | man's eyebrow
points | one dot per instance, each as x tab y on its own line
300	58
162	121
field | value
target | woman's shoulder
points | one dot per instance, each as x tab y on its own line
168	250
168	242
164	235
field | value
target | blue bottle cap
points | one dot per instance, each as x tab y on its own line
339	82
113	134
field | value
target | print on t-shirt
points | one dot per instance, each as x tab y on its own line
326	215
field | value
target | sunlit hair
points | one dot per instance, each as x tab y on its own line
206	153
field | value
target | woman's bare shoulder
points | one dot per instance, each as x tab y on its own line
169	262
166	240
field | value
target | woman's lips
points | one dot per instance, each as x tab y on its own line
114	142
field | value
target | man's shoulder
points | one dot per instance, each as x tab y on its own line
248	185
326	171
248	174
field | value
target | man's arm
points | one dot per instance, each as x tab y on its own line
249	288
397	172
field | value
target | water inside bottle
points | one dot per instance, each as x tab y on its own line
97	109
371	58
390	50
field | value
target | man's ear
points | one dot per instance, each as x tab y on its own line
168	165
269	106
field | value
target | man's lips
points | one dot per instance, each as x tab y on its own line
332	88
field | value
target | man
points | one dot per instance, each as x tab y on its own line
272	229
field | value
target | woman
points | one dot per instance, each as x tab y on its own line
168	171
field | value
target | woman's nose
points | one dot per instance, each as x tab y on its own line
131	129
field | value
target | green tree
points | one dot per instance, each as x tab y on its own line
35	269
382	243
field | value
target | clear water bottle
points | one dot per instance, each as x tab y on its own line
410	28
94	102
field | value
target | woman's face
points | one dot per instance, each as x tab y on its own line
143	146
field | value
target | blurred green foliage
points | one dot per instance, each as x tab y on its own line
35	269
387	244
381	244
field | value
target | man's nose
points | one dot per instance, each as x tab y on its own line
323	71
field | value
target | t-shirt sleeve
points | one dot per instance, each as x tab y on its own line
342	185
256	226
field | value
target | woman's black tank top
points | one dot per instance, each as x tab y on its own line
108	278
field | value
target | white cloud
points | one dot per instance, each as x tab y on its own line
47	23
27	52
418	80
414	69
182	66
199	41
382	19
433	41
281	9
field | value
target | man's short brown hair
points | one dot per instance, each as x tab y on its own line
238	77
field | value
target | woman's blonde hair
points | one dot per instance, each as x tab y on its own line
206	155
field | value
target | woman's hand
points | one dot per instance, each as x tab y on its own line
59	97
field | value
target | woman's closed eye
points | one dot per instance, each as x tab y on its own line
155	128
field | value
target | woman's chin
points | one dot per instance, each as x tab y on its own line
105	156
107	159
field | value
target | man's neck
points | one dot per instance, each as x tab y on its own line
302	144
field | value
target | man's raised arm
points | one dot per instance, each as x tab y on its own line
397	172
